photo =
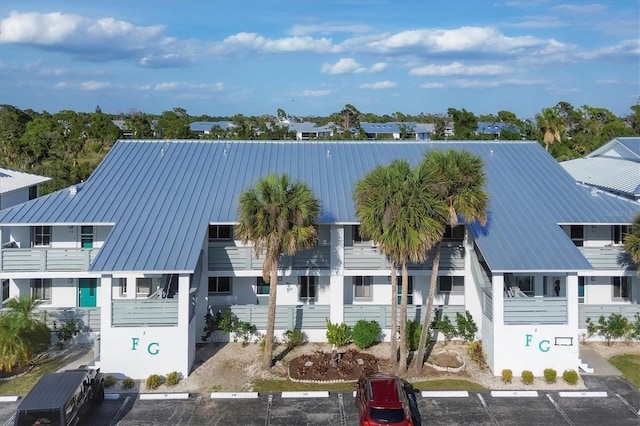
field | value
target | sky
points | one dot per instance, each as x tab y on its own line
312	57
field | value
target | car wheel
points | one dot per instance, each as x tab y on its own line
100	394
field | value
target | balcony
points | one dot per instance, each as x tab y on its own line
368	257
535	310
144	313
46	259
227	258
608	258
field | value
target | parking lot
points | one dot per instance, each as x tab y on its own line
613	402
339	409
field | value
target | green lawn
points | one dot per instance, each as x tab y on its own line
23	384
269	386
629	365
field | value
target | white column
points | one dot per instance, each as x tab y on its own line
105	296
132	287
183	340
572	302
336	279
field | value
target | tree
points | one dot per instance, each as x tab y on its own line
346	120
277	216
175	124
460	178
23	334
465	123
398	210
632	241
550	123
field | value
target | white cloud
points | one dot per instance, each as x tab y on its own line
343	66
626	49
593	8
432	85
315	93
457	68
379	66
386	84
181	85
94	85
256	42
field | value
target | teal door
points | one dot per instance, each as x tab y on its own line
87	291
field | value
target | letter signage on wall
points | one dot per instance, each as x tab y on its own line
153	348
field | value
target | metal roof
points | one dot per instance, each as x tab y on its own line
490	127
11	180
206	126
161	195
612	174
627	148
396	127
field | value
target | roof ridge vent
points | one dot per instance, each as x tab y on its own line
73	190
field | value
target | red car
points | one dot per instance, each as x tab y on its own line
382	400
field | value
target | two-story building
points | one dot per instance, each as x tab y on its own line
148	241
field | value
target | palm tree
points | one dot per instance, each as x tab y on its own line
23	334
632	241
461	178
551	123
277	216
398	211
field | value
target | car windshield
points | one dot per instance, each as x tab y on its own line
48	418
387	415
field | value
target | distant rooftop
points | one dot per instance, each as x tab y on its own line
10	180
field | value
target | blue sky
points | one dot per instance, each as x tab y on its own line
311	57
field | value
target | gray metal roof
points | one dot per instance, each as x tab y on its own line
627	148
10	180
161	195
612	174
206	126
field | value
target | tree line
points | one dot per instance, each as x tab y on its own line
68	145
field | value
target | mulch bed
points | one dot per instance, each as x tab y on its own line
351	365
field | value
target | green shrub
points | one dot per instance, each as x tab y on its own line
338	334
173	378
109	381
66	331
507	375
446	327
153	381
262	341
477	355
570	376
128	383
610	328
228	322
365	333
527	377
293	338
466	327
414	328
550	375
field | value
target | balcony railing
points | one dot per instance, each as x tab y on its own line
369	257
627	310
228	258
535	310
144	312
613	257
382	313
288	317
46	259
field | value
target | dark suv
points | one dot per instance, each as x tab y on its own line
382	400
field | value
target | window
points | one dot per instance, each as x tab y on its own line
41	289
41	235
362	289
220	232
455	233
525	284
357	238
450	284
220	285
262	287
86	236
33	192
580	289
143	286
307	288
621	288
618	232
122	285
577	235
410	291
5	290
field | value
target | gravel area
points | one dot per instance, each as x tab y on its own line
231	367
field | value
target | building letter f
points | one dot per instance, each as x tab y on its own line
134	343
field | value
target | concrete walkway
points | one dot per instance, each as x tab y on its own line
81	356
601	367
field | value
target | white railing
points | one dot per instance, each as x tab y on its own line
46	259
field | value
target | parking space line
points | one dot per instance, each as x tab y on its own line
560	410
598	394
624	401
9	398
444	394
343	417
486	409
10	421
120	411
519	394
267	421
307	394
232	395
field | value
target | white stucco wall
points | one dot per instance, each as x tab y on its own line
12	198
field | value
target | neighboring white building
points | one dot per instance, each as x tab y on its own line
145	248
